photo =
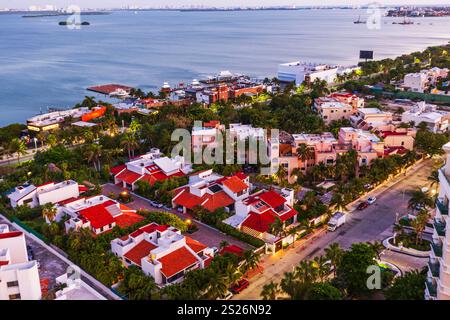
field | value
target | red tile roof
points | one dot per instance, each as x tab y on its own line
272	198
385	134
217	201
116	170
12	234
141	250
4	263
97	215
186	199
177	261
235	184
128	176
195	245
259	222
82	188
233	249
127	219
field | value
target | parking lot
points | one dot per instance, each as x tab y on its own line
205	234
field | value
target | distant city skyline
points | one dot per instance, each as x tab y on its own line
23	4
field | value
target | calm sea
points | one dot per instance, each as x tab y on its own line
43	64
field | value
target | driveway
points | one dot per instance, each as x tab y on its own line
205	234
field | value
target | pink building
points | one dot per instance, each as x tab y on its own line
207	135
367	144
338	106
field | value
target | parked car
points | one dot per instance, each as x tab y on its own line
215	250
239	286
180	209
167	208
158	205
371	200
227	296
368	186
362	205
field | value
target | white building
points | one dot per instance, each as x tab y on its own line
76	289
150	167
211	191
19	277
421	81
299	72
371	119
436	120
50	192
416	82
162	252
246	131
256	213
438	278
99	214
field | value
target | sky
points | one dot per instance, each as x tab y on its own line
121	3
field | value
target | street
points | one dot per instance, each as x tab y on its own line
373	223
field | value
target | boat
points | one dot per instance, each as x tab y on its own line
66	23
359	21
406	22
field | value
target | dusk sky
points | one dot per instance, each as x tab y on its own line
120	3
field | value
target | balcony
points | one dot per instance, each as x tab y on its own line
440	228
437	249
434	268
431	287
443	209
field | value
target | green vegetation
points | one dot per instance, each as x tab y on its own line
337	275
410	286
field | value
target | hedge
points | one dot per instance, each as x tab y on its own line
239	235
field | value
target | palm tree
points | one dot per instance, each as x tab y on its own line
334	254
277	228
304	153
419	224
251	260
434	177
281	174
270	291
49	212
293	232
419	199
323	268
338	201
306	272
232	274
289	284
377	247
130	143
92	155
218	285
18	147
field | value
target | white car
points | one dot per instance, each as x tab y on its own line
371	200
227	296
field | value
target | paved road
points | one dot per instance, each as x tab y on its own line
374	223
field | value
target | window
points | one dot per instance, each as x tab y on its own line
27	200
12	284
14	296
403	143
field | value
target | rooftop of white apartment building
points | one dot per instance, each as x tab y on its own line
311	138
361	134
373	111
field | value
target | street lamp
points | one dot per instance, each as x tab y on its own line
188	221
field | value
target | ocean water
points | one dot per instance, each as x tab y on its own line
43	64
